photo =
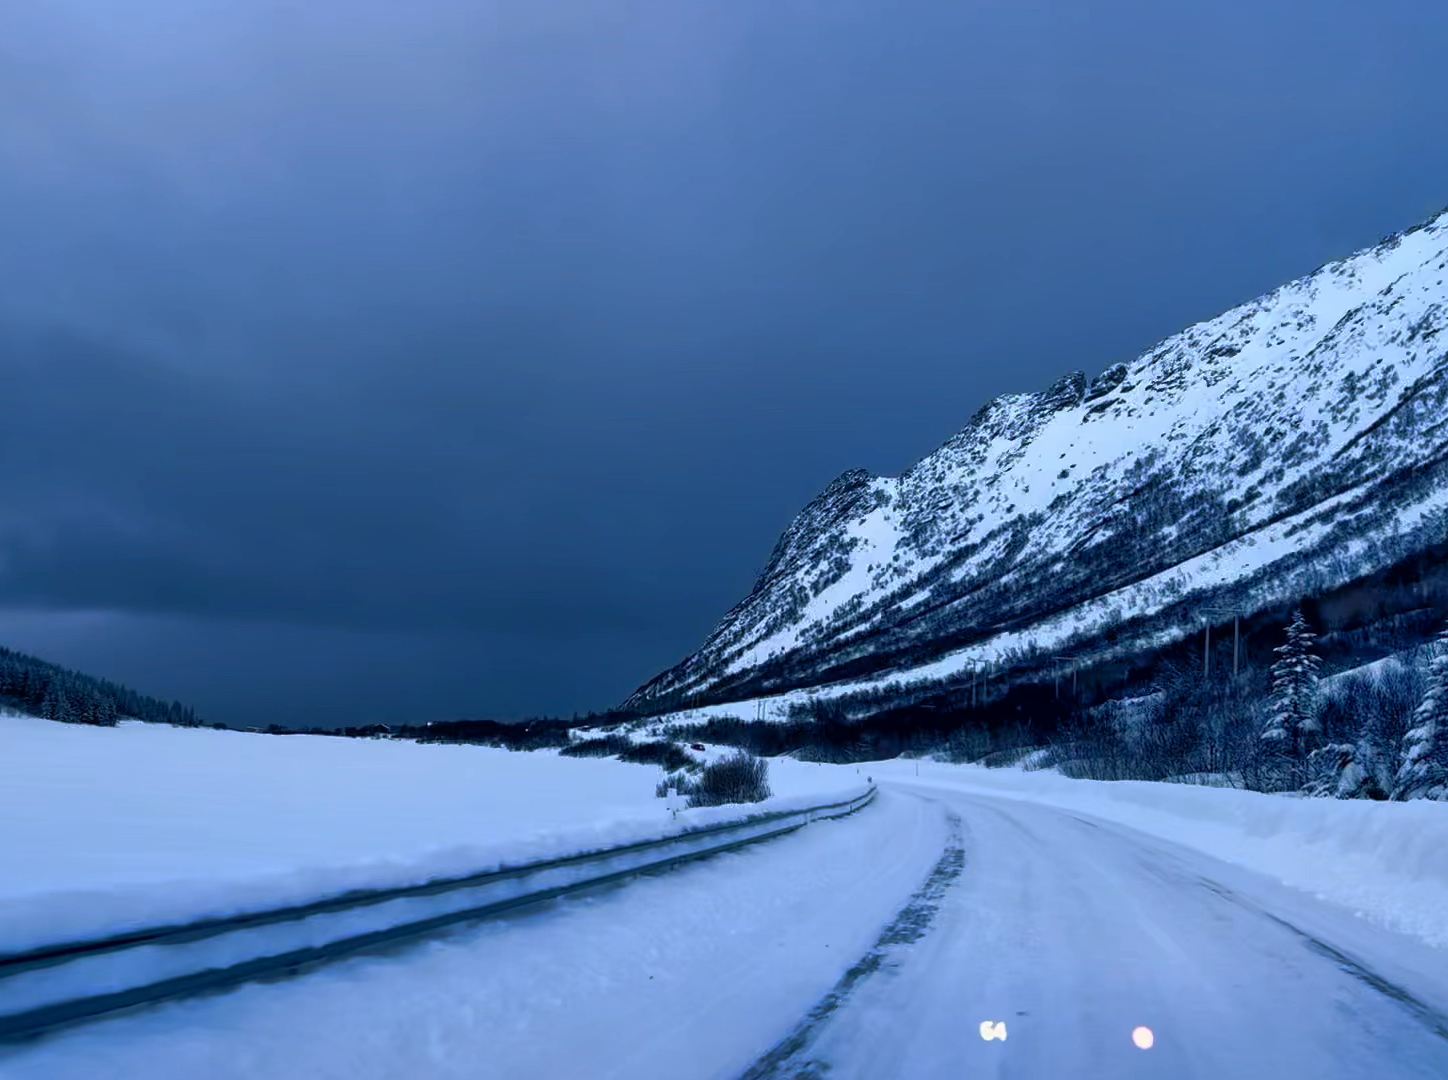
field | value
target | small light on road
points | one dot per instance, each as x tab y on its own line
1143	1038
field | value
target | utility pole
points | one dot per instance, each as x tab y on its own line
979	676
1059	660
1207	639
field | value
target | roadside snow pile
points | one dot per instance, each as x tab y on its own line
1388	862
108	829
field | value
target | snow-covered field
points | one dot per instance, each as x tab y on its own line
1387	862
103	829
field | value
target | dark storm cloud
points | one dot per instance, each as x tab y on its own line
146	489
510	334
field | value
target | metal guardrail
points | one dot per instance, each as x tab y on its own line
55	986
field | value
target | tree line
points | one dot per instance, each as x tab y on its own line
40	688
1365	734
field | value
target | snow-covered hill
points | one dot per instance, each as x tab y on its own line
1294	443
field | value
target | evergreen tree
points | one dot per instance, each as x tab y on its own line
47	690
54	704
1424	770
1293	727
104	712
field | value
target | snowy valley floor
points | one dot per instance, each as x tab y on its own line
108	829
875	946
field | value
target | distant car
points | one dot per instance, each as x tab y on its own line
696	746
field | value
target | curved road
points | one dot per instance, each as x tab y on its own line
1073	933
872	947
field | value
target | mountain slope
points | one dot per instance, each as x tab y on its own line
1293	443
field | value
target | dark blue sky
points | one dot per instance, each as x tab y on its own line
380	361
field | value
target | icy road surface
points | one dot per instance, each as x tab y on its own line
870	947
1072	933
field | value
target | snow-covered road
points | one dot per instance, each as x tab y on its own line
869	947
1074	932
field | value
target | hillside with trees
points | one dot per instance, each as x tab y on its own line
40	688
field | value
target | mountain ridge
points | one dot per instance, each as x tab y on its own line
1223	434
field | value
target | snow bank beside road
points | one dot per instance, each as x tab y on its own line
1388	862
109	829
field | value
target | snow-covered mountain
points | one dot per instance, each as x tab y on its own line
1292	444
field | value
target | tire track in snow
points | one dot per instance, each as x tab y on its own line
1167	868
789	1059
1429	1017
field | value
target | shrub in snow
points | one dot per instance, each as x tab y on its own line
1424	771
674	784
660	752
1399	689
607	746
1167	736
1292	723
1364	717
1344	771
736	779
1088	746
966	744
